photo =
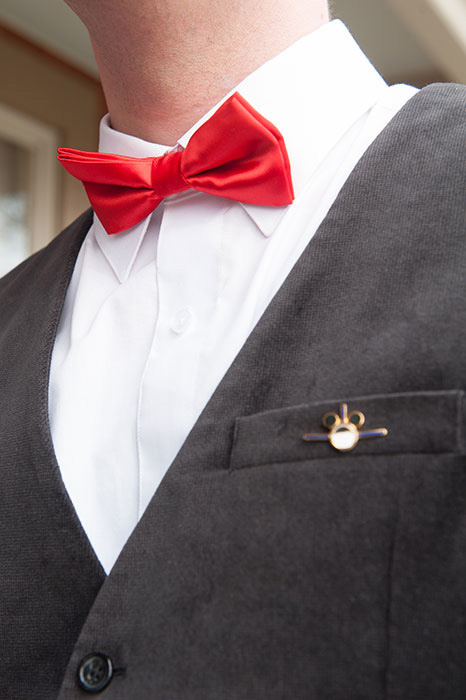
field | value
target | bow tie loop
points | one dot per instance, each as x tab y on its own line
236	154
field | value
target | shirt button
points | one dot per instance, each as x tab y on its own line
95	672
182	320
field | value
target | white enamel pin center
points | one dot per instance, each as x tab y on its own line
344	430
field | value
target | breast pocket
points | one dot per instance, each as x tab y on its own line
428	422
327	552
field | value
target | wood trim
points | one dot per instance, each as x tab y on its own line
58	60
440	27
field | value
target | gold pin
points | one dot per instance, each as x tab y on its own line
344	430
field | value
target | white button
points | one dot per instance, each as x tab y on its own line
182	320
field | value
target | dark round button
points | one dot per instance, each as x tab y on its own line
95	672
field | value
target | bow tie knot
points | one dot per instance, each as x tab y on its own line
166	175
236	154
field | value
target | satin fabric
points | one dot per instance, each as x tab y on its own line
237	154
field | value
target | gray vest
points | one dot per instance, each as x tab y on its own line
268	567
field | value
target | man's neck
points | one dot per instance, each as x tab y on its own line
163	69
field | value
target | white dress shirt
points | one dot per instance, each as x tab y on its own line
154	316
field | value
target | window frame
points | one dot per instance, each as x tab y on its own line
41	142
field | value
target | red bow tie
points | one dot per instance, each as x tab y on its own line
236	154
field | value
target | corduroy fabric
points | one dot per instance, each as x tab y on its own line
265	568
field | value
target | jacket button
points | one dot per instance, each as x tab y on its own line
95	672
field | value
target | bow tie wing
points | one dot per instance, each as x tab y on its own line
239	155
236	154
120	189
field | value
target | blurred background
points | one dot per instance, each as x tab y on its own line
50	95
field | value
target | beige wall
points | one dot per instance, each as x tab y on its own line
46	88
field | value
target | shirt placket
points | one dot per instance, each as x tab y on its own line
188	264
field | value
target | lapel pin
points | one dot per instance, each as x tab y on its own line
344	430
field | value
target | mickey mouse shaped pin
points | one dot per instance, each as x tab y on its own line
344	430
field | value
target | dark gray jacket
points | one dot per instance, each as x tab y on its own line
267	567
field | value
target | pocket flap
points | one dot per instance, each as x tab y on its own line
418	422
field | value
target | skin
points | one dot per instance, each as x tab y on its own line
164	63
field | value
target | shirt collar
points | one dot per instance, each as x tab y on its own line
313	92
